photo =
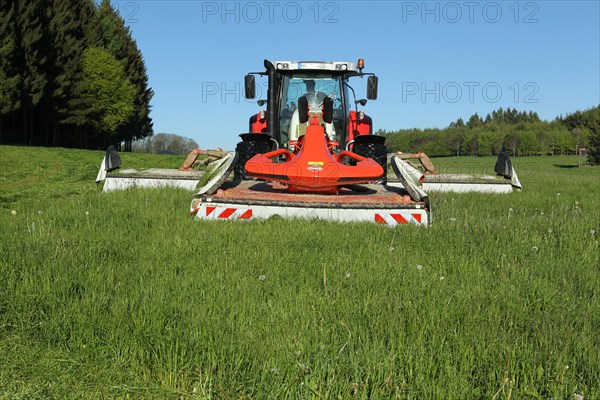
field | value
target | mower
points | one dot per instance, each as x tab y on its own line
311	154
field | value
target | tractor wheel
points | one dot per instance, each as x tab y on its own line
245	151
377	152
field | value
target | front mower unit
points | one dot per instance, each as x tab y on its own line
248	200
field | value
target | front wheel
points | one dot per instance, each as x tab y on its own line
375	149
251	145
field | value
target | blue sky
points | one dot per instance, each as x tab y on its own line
436	60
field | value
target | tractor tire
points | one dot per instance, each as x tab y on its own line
246	150
377	152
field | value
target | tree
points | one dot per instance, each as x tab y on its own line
118	40
474	121
10	79
32	39
165	142
69	24
593	125
107	91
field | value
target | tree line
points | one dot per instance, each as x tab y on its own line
165	143
70	75
518	133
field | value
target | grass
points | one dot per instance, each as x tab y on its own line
124	295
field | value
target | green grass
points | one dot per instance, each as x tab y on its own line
124	295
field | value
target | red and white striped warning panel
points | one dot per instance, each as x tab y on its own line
399	218
390	217
224	213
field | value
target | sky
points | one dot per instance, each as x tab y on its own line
436	60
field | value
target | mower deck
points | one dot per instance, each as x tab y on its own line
461	183
151	178
259	200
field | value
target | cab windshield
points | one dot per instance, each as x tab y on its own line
315	87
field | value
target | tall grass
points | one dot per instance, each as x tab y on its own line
125	295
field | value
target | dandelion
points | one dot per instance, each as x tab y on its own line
549	230
558	194
510	210
576	204
541	213
534	249
452	219
592	232
303	367
14	213
87	213
39	212
441	278
391	249
419	267
577	396
347	274
262	277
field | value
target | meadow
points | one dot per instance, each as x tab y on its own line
125	295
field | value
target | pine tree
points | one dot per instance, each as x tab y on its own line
474	121
10	79
32	39
68	30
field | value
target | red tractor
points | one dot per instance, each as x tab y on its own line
305	94
311	154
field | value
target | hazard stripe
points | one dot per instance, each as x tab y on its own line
210	210
247	214
227	213
380	220
399	218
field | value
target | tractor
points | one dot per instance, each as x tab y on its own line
300	92
311	154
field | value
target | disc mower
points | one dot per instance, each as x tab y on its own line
311	154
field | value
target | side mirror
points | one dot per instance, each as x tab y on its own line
249	86
362	102
372	87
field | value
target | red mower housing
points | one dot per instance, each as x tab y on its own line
314	169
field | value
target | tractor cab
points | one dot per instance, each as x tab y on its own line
299	91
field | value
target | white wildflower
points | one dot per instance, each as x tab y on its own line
534	249
549	230
14	213
262	277
419	267
347	274
452	219
87	213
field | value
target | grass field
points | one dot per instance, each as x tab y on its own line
124	295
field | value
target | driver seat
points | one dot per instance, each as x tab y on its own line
299	124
